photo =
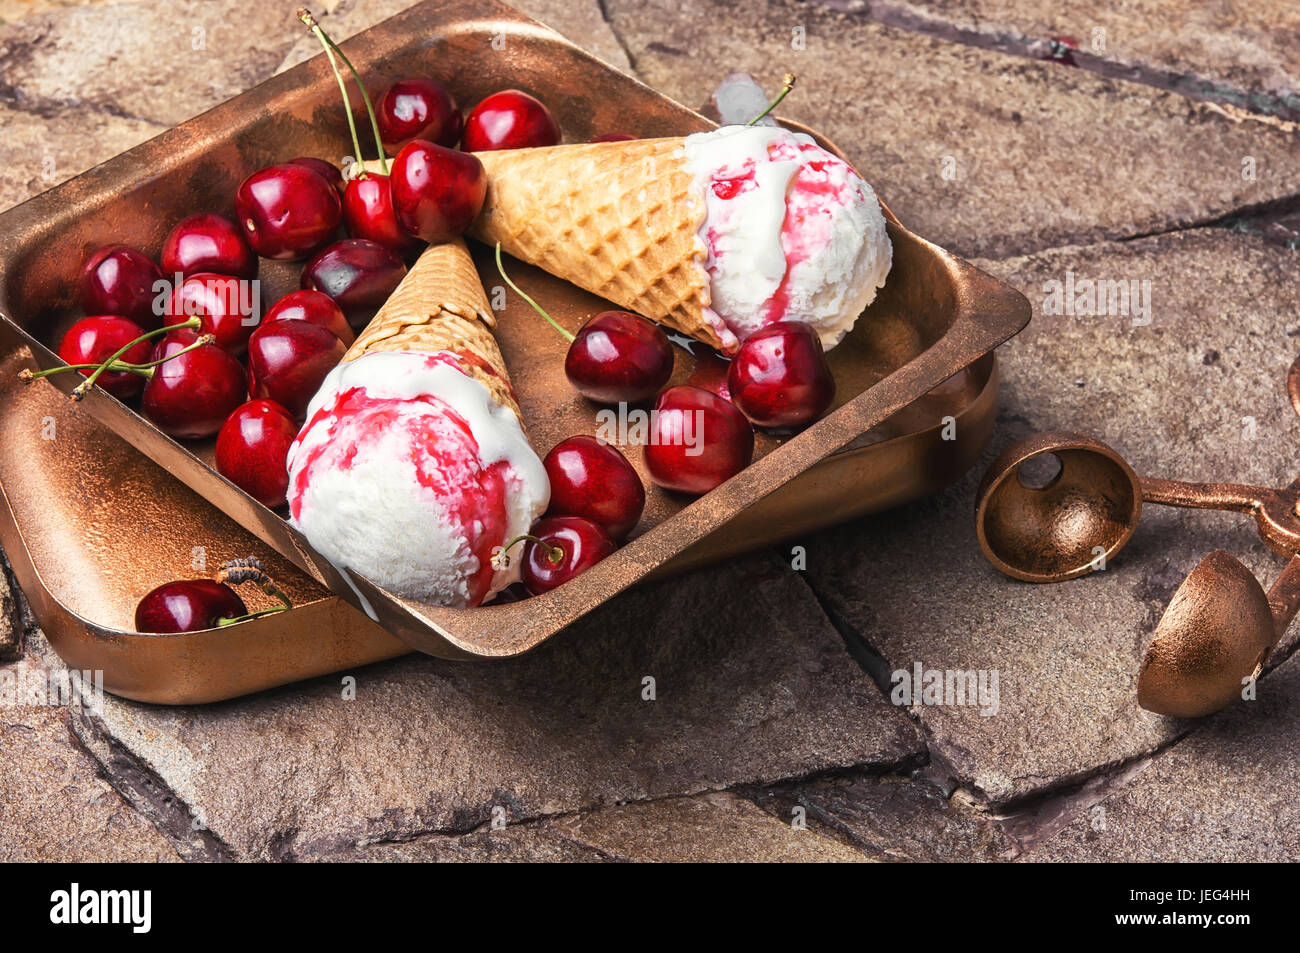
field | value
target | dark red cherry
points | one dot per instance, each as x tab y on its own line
326	170
287	211
192	394
208	243
710	372
117	279
228	308
593	480
569	545
510	119
437	191
251	450
368	213
92	340
314	307
189	605
357	273
618	356
697	440
780	378
418	108
287	360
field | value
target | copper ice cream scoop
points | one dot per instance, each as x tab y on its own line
1220	627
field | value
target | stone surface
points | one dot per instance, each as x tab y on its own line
11	625
1226	793
55	805
434	746
1067	655
1252	49
981	152
893	818
581	21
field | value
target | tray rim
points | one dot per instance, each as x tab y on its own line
965	341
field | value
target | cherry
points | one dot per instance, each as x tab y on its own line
560	548
326	170
192	394
437	191
208	243
288	359
618	356
252	447
510	119
118	279
368	213
225	306
287	211
314	307
418	108
188	605
780	378
593	480
95	339
357	273
697	440
710	372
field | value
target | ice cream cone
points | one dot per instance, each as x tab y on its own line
619	219
441	306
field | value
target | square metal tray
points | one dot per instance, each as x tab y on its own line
920	353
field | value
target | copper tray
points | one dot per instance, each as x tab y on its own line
933	326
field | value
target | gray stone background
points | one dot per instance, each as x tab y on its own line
1165	150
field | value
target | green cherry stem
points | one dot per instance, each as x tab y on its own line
568	336
144	370
330	45
787	84
311	23
249	569
554	554
113	362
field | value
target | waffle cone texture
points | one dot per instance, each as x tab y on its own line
440	306
618	219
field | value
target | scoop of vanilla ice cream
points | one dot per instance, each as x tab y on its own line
793	233
408	472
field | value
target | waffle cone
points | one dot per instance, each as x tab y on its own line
440	306
619	219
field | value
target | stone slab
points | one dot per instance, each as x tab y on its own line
1197	394
982	152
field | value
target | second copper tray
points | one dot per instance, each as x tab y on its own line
936	321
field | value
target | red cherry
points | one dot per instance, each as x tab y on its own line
564	546
437	191
287	360
593	480
315	307
226	306
192	394
418	108
117	279
780	378
357	273
92	340
510	119
189	605
287	211
697	440
710	372
368	213
613	137
208	243
326	170
252	447
617	356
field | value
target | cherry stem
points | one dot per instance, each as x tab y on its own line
787	84
310	21
554	554
249	569
568	336
234	620
113	361
330	48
